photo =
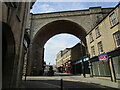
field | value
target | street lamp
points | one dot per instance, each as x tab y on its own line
83	64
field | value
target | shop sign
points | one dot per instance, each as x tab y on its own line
103	56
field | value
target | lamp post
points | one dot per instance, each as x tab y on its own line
83	64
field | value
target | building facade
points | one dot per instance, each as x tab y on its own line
103	43
67	60
15	41
62	58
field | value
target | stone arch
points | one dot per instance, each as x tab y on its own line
57	27
8	54
49	30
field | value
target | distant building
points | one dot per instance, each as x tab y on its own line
103	43
66	59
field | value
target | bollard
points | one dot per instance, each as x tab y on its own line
61	84
25	78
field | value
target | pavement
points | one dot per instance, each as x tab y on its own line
103	83
97	81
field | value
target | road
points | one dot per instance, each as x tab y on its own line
55	82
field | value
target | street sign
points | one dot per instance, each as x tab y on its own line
103	56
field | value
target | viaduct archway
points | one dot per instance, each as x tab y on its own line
45	33
44	26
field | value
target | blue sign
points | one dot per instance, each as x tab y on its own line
103	56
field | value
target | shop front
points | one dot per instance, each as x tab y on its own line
60	69
78	66
107	65
68	67
101	67
114	57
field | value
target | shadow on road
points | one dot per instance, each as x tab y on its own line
56	85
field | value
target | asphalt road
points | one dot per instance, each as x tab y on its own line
66	85
55	82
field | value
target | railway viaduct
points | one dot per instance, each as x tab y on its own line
43	26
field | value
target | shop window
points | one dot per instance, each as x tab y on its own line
91	37
101	68
113	19
95	68
100	47
104	68
116	64
117	38
97	32
93	51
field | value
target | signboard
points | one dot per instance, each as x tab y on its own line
103	56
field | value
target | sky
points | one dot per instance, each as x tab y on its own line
62	41
47	7
57	43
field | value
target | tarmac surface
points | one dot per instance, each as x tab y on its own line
68	81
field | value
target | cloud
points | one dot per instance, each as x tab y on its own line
45	7
42	8
57	43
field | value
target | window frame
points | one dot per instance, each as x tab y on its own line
116	44
100	49
113	19
93	51
97	31
91	37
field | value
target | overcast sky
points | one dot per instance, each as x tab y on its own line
62	41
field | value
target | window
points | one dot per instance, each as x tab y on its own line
98	19
113	19
97	32
100	47
91	37
117	38
93	51
19	11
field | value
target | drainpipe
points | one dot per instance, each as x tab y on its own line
29	50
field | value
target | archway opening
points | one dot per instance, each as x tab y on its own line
45	33
57	43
